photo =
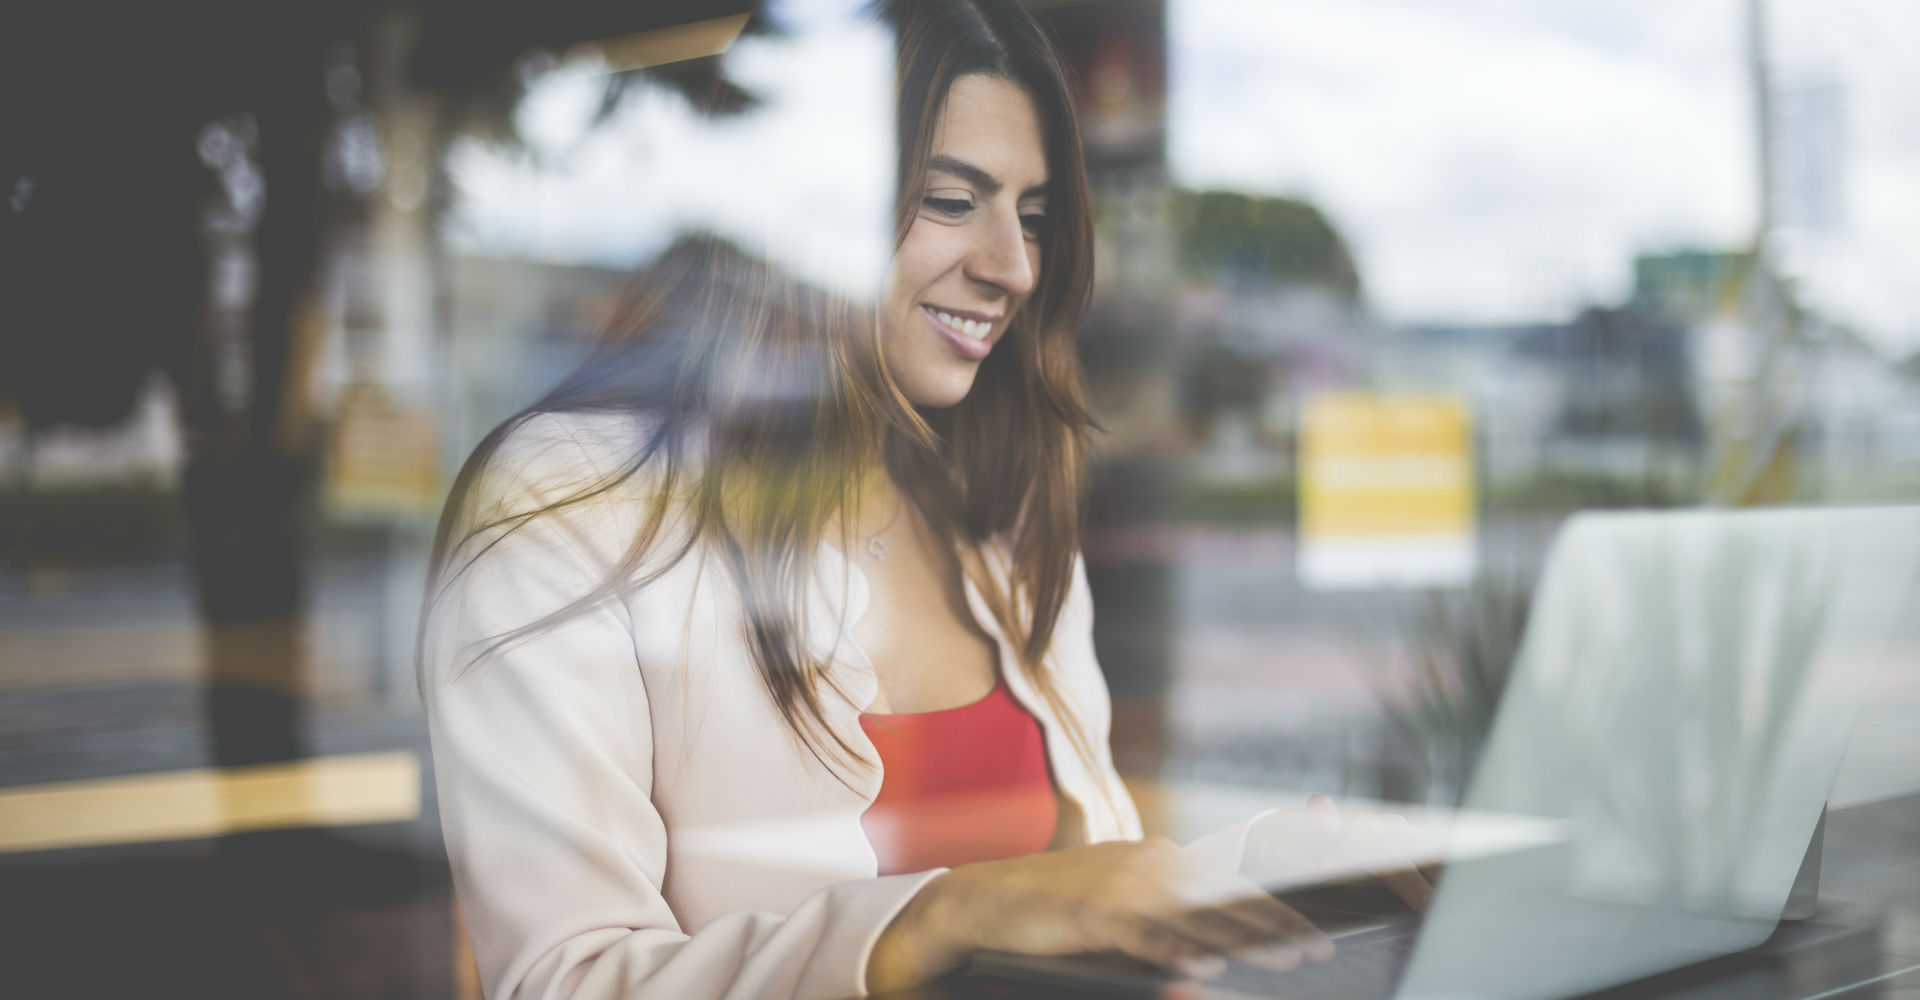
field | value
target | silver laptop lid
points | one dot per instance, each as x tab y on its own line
1682	701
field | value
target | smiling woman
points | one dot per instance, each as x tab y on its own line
685	744
972	254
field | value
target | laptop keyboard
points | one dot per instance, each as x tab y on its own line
1366	967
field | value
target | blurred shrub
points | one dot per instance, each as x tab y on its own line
1565	492
1464	646
1232	501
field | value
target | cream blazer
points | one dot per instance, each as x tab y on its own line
626	812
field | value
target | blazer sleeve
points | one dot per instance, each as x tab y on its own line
543	763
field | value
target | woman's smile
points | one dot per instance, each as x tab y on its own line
969	334
974	241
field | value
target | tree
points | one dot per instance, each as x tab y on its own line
1267	240
118	126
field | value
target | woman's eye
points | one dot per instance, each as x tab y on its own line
947	206
1035	224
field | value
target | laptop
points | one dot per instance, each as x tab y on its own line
1679	707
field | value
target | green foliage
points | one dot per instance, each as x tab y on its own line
1565	492
1280	240
1257	501
1465	644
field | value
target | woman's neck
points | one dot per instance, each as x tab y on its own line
877	507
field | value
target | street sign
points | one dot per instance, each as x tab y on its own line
1386	492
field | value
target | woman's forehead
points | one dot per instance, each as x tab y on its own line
991	124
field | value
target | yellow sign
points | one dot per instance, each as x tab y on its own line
1386	491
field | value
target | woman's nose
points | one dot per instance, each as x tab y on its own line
1004	257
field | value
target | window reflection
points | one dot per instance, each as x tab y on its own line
1387	293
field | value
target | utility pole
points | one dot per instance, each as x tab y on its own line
1757	428
1762	118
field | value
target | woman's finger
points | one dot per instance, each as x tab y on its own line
1222	930
1384	849
1157	944
1283	923
1399	838
1290	847
1219	913
1270	933
1416	844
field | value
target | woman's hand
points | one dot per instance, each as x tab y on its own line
1294	848
1145	899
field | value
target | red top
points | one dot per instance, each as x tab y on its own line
961	784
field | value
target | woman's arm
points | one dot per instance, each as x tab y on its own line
543	757
1143	898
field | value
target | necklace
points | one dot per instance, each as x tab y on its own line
877	546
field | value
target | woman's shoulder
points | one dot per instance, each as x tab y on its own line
546	456
550	444
593	475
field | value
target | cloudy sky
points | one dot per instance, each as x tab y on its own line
1504	159
1490	160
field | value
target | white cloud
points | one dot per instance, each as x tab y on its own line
806	180
1489	159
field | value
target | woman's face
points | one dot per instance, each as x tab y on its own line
972	254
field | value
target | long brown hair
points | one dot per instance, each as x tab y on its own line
781	391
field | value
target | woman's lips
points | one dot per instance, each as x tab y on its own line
960	333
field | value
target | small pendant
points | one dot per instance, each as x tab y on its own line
877	548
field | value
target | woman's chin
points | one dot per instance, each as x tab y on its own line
939	392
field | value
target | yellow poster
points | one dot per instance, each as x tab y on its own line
1386	491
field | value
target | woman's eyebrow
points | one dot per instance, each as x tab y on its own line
977	177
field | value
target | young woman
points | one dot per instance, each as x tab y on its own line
758	654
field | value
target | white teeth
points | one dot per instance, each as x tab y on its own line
975	328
